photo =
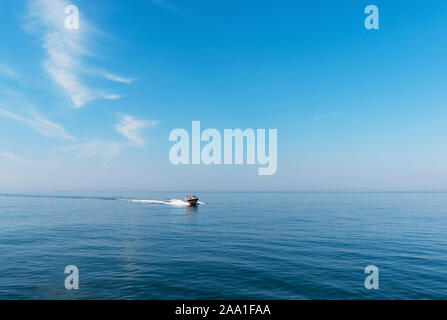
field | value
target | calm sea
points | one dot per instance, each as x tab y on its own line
234	246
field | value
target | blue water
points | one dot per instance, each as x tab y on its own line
235	246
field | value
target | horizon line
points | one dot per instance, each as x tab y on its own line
80	193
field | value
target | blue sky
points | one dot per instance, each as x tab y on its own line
92	109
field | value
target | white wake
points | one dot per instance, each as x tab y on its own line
172	202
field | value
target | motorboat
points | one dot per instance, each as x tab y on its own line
192	200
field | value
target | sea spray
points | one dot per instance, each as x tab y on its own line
171	202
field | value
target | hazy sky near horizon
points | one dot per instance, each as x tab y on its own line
92	109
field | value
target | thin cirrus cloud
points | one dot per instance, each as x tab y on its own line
65	50
130	128
112	96
39	124
8	72
116	78
95	149
16	158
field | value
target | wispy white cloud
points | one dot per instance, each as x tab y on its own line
112	96
117	78
16	158
8	72
100	149
106	75
38	123
65	49
130	128
95	149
